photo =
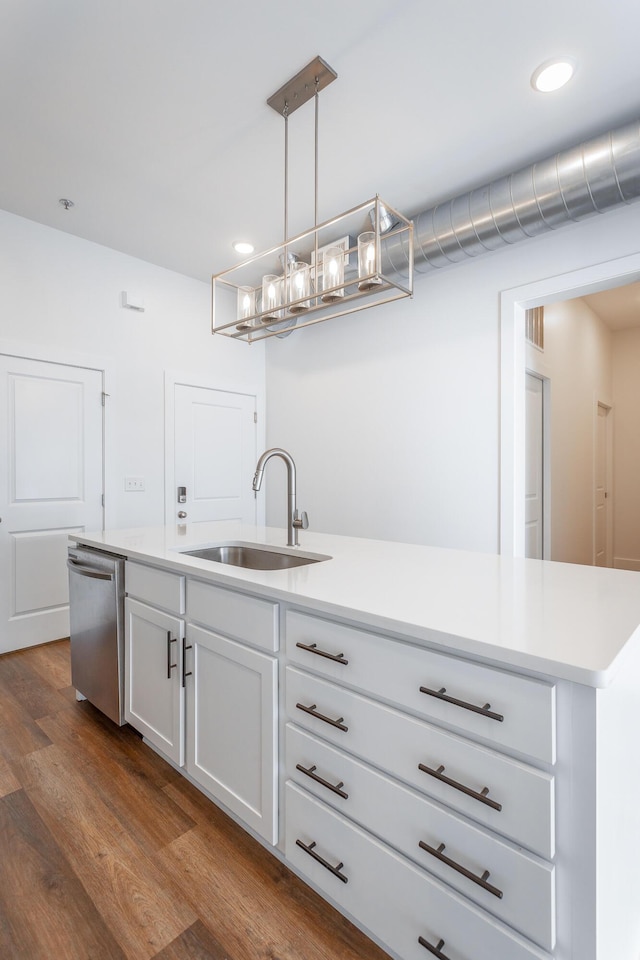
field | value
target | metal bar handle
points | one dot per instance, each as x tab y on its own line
481	796
437	852
325	863
336	788
436	951
170	666
313	648
185	646
83	571
484	711
314	713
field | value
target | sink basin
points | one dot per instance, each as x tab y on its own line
254	557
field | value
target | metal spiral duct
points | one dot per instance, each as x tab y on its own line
590	178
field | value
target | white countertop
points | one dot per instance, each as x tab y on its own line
563	620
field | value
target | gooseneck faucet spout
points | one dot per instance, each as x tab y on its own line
295	522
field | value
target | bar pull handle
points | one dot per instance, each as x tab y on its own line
84	571
481	796
438	853
436	951
185	673
313	648
325	863
170	666
314	713
336	788
484	711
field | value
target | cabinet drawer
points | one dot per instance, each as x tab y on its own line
519	713
505	795
395	901
234	614
521	887
157	587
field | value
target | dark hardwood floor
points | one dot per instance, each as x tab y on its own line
107	853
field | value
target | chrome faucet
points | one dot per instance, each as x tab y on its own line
295	521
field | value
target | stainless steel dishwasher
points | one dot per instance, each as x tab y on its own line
96	608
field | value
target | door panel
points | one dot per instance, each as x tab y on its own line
215	454
601	494
534	437
50	487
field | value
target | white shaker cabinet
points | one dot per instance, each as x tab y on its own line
380	773
154	650
202	697
231	727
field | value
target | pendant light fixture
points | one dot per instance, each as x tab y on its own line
335	268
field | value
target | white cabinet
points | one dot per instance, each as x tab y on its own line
154	646
203	698
446	796
232	728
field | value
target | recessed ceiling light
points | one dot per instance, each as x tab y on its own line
552	74
243	246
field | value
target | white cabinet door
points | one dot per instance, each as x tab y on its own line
154	692
50	487
231	727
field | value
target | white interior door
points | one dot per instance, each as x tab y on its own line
602	524
51	485
214	455
534	468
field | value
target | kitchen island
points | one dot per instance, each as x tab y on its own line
440	742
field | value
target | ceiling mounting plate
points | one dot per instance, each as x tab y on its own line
302	87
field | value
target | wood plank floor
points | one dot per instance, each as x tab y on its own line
107	853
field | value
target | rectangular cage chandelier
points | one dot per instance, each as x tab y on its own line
335	268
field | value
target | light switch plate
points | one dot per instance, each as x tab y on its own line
134	484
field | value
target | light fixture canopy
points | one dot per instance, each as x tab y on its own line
553	74
339	266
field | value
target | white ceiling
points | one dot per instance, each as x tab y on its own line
151	116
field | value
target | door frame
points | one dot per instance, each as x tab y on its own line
513	304
173	378
46	353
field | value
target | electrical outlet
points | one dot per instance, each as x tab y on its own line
135	484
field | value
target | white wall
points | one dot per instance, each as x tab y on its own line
61	295
626	445
392	414
577	359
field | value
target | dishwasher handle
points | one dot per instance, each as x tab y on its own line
83	571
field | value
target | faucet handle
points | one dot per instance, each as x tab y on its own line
301	520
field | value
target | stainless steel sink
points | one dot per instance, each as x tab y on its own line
254	557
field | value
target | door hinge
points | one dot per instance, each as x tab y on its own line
104	396
102	498
255	417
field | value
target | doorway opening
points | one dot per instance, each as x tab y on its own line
574	295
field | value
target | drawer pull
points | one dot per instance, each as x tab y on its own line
312	710
481	881
436	951
484	711
310	772
313	648
316	856
481	796
170	666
